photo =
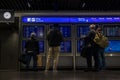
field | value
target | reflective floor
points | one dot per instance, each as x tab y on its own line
60	75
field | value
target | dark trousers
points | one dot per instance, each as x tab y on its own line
89	58
29	57
93	52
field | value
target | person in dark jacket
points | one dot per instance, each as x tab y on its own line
54	38
92	50
32	50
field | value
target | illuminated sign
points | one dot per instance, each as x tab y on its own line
70	19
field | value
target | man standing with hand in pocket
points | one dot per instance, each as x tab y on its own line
32	50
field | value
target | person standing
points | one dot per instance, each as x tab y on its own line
32	50
101	50
92	50
54	38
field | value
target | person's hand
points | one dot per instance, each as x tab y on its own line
89	45
83	36
81	46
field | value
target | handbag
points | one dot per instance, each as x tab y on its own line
101	40
39	60
23	58
84	51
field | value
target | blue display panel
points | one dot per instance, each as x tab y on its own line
33	19
82	31
41	46
114	46
112	30
65	47
39	30
66	30
79	44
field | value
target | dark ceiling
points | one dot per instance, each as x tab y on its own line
77	5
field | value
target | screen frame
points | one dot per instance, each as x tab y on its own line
70	47
105	25
23	37
63	26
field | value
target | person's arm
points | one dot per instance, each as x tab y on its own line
48	35
82	37
90	36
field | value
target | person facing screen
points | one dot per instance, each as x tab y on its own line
92	49
32	50
54	38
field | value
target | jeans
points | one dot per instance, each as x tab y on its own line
95	52
29	57
102	58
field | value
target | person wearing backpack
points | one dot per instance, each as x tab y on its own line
54	38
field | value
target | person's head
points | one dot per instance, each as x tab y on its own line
55	26
92	26
33	35
99	29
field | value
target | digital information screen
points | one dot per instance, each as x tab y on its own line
82	31
112	30
27	30
79	44
41	46
33	19
66	30
65	47
114	46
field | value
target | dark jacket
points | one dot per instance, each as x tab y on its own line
32	45
54	38
89	38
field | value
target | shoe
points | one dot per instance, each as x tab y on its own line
35	69
88	70
96	70
54	70
46	71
